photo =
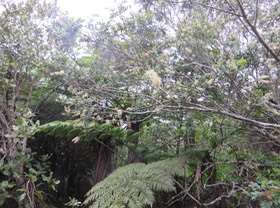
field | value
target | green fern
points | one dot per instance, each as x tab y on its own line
71	129
61	129
133	185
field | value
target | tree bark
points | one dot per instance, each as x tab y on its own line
105	162
132	155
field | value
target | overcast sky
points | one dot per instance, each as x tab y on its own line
86	8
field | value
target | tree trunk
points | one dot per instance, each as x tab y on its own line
132	155
105	162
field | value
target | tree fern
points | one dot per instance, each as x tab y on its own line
71	129
133	185
61	129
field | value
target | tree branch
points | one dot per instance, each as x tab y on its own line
48	95
29	96
256	32
208	6
257	13
197	107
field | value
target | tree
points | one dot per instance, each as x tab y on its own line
212	66
30	52
191	79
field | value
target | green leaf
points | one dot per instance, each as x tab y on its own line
22	197
241	62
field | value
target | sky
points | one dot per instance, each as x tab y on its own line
87	8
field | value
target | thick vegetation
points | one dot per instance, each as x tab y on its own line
167	104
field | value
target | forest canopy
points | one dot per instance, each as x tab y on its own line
167	104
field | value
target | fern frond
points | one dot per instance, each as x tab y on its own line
133	185
71	129
61	129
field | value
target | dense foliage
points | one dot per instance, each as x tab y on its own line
195	81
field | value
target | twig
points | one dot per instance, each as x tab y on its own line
48	95
257	13
220	197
